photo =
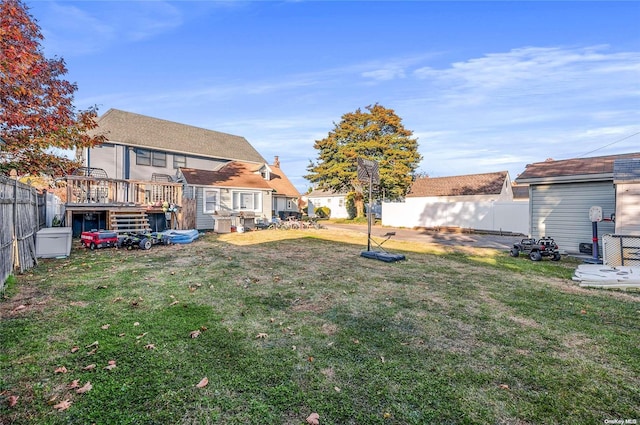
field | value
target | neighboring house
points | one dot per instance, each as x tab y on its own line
475	201
562	192
336	202
139	147
285	195
520	193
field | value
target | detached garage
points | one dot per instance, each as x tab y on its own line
561	194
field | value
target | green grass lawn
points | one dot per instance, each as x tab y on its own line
292	323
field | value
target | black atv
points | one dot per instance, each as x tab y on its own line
543	247
134	240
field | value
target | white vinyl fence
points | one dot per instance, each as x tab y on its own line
505	216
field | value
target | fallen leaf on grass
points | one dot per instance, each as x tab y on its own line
313	419
92	352
203	383
142	335
504	386
262	335
150	346
105	326
74	384
89	367
60	369
174	303
63	405
111	364
20	307
85	388
194	334
93	344
74	349
13	400
117	299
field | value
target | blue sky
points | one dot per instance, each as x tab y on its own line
484	86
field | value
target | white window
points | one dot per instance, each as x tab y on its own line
247	201
210	200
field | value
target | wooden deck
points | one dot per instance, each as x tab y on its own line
122	198
82	190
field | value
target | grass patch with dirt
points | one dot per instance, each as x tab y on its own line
283	324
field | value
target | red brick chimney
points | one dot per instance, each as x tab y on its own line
276	162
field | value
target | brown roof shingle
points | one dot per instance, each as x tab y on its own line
139	130
472	184
235	174
281	183
598	165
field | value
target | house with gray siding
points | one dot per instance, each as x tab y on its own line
139	147
235	189
561	193
222	173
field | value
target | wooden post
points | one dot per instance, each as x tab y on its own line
14	237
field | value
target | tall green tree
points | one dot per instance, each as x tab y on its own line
36	103
376	134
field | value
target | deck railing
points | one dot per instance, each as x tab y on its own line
83	190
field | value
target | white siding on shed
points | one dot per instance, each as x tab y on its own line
561	211
628	209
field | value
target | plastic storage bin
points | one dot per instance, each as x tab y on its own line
53	242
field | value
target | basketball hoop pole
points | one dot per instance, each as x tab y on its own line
369	213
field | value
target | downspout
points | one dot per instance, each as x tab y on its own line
127	162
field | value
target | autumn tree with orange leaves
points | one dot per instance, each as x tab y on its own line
36	103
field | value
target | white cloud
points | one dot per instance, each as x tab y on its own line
385	74
73	31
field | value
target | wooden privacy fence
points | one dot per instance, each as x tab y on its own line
20	218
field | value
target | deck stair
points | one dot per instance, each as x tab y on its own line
129	221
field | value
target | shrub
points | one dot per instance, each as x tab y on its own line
323	212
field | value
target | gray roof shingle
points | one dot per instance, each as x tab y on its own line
132	129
